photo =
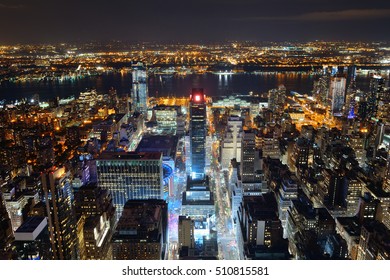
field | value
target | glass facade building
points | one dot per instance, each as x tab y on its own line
337	91
130	176
198	132
139	93
58	196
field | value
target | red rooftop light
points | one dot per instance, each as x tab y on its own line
197	97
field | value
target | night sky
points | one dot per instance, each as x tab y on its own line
201	21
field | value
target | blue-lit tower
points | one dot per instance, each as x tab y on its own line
197	132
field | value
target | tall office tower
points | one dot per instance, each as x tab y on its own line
198	132
186	232
251	166
235	191
58	196
288	192
337	89
362	109
260	223
368	208
321	90
331	189
372	244
130	175
380	130
276	99
94	233
383	211
386	181
141	233
139	93
353	186
92	200
377	88
248	154
32	240
356	142
231	144
96	220
300	154
351	74
6	236
349	108
112	98
384	107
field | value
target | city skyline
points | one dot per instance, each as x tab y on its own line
195	130
192	21
282	175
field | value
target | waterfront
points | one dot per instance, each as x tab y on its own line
168	85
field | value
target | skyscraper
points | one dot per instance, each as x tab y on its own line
186	232
130	176
248	153
139	93
288	191
300	155
276	99
353	186
371	242
251	166
331	189
198	132
141	233
321	90
337	94
377	85
91	200
260	224
350	102
231	145
386	181
96	221
57	189
96	236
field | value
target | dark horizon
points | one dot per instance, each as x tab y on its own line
44	21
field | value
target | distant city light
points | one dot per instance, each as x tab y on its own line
254	170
